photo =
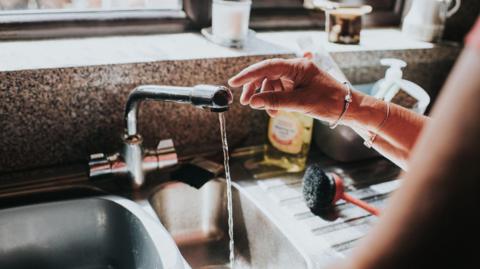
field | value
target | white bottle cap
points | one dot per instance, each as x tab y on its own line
394	72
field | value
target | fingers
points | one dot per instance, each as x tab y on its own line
271	69
276	86
273	100
272	112
287	84
250	88
267	86
247	92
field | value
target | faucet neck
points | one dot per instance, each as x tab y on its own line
151	92
216	98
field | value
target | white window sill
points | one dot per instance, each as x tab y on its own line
39	54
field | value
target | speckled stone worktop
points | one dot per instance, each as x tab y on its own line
52	115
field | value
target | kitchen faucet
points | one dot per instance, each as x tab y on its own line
133	161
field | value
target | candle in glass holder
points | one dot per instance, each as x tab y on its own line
230	19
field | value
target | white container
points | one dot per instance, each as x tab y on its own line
230	20
426	19
389	86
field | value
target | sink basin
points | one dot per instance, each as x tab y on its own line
197	221
101	232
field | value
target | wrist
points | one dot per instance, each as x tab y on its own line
365	111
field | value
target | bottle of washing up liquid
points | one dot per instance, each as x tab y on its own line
289	137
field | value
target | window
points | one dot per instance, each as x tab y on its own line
85	5
27	19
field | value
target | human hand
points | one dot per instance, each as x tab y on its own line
293	85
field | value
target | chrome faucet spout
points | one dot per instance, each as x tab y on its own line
216	98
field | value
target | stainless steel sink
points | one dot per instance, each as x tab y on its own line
105	232
197	221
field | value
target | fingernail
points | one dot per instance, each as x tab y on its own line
259	107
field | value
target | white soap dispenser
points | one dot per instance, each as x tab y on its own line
393	88
392	79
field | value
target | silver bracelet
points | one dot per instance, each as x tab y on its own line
369	142
348	99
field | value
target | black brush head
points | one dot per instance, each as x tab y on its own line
318	189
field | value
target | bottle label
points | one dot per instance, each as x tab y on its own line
285	134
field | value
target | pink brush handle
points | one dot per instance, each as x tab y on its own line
350	199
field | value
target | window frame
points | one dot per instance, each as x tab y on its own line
91	23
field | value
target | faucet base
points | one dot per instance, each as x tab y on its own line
133	162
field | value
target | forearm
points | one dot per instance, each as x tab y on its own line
397	135
399	156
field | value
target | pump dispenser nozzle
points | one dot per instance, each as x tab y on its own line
393	74
395	69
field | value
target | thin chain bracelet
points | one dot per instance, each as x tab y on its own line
348	99
369	142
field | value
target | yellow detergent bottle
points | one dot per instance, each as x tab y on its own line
289	137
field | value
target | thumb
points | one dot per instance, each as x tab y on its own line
274	100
